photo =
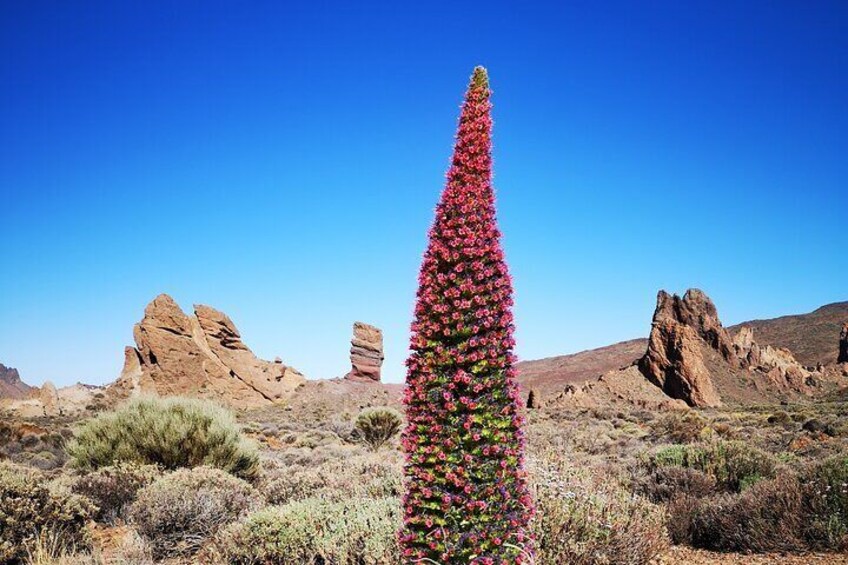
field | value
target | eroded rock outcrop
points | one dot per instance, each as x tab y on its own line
674	360
777	363
200	356
843	345
11	385
366	353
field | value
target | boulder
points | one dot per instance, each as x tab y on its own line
843	345
200	356
49	398
366	353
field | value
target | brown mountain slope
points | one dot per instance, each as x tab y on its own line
554	372
813	338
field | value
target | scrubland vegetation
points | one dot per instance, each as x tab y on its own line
609	487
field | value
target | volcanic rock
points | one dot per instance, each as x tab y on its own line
674	360
200	356
49	398
843	345
777	363
11	385
534	400
366	353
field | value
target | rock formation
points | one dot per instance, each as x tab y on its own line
777	363
11	385
534	400
674	360
200	356
843	345
49	398
366	353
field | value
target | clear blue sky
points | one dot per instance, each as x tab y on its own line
281	163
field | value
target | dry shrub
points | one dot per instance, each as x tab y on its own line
666	483
361	476
682	427
357	531
826	503
32	445
580	523
168	432
734	465
32	517
114	488
180	511
767	517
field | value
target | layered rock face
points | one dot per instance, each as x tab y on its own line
200	356
777	363
692	357
11	385
366	353
674	360
843	345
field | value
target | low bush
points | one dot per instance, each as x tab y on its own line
826	503
32	515
355	477
357	531
377	426
682	427
114	488
170	433
582	524
767	517
665	483
180	511
734	465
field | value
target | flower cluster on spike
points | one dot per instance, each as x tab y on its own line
466	498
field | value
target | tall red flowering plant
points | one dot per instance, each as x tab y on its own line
466	499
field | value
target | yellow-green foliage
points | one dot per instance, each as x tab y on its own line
733	464
170	433
30	514
177	513
377	426
357	531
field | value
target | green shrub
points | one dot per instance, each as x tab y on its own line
826	503
733	464
177	513
357	531
768	517
114	488
377	426
170	433
584	524
31	514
